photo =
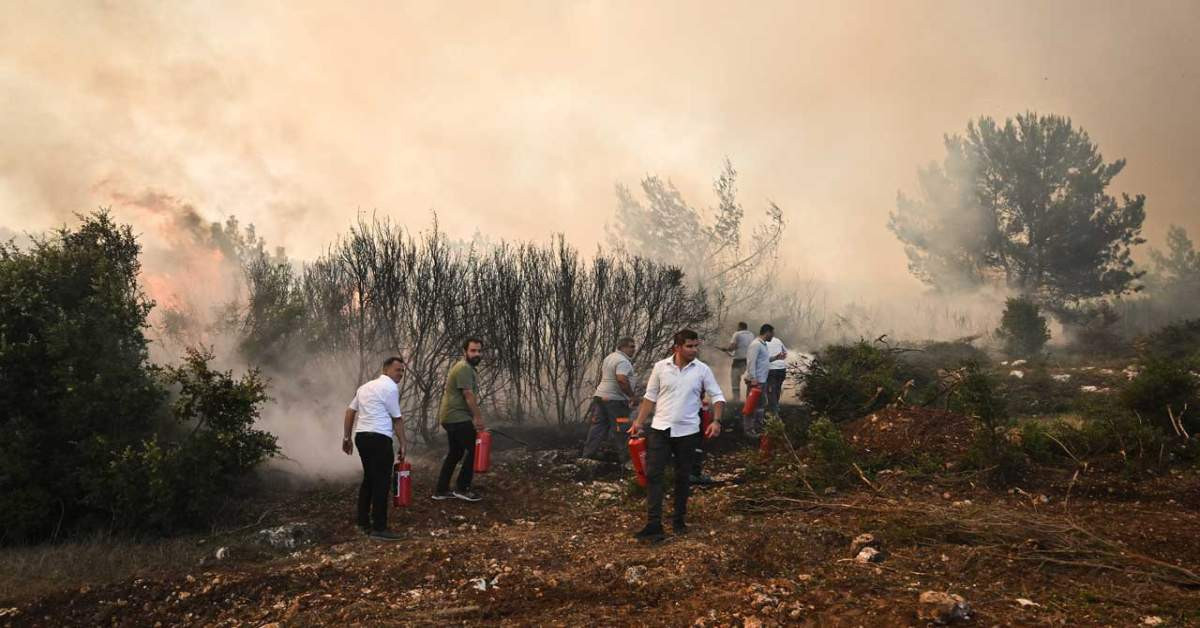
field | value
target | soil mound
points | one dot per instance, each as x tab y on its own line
910	431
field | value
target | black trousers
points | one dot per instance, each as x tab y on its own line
774	389
660	447
377	456
462	447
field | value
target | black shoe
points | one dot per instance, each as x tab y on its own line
700	480
441	496
364	529
679	527
384	535
652	533
467	495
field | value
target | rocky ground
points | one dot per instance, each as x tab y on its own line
550	545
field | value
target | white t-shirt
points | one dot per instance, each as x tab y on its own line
676	395
377	402
609	389
741	340
774	348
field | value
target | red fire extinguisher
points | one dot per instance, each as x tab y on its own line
637	453
402	484
766	448
483	451
706	418
752	398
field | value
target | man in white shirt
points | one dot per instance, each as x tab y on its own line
777	372
673	396
374	416
758	367
738	344
611	402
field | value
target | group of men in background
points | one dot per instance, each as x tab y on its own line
668	416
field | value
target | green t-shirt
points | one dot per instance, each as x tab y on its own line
454	405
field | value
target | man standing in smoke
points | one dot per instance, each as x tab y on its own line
461	418
738	344
758	366
673	396
612	400
777	372
374	416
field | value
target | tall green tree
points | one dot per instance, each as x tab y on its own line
74	369
1023	204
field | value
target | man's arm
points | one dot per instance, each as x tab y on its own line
347	428
626	388
473	404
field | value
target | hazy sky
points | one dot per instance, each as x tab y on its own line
519	117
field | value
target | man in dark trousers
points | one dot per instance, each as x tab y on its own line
460	417
373	417
673	397
737	345
611	402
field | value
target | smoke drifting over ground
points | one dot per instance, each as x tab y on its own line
516	120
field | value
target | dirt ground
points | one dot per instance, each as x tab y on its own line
546	547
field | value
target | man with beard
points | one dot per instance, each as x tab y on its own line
673	397
460	417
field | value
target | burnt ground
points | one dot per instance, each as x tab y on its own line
548	548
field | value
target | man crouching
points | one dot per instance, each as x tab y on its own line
673	395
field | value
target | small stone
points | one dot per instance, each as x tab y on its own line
863	540
942	608
1152	620
634	574
868	555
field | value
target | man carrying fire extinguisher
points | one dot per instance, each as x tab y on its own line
462	420
673	397
374	416
758	368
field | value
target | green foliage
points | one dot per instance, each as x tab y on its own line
1023	204
73	366
1161	384
831	455
1023	329
976	397
848	381
1105	433
1176	342
87	430
1092	329
177	478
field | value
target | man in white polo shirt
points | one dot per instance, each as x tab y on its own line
673	396
374	416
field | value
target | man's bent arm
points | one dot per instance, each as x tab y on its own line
623	382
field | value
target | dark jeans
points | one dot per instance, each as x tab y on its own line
377	456
461	436
775	379
604	425
659	448
736	370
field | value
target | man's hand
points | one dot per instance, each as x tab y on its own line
713	430
400	455
635	430
347	445
479	427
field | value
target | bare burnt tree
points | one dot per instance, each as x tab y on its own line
546	315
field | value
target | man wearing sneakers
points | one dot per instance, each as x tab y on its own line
673	397
373	416
460	417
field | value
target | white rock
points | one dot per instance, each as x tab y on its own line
1024	602
1089	389
861	541
222	553
1017	363
1061	377
1017	374
1152	620
868	555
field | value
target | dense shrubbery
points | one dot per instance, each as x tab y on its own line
87	429
1164	387
848	381
1023	329
1179	341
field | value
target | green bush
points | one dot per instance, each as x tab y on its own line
89	438
1023	329
1107	432
832	457
976	398
847	381
178	477
1164	383
1177	342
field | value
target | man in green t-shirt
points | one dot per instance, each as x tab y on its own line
461	418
